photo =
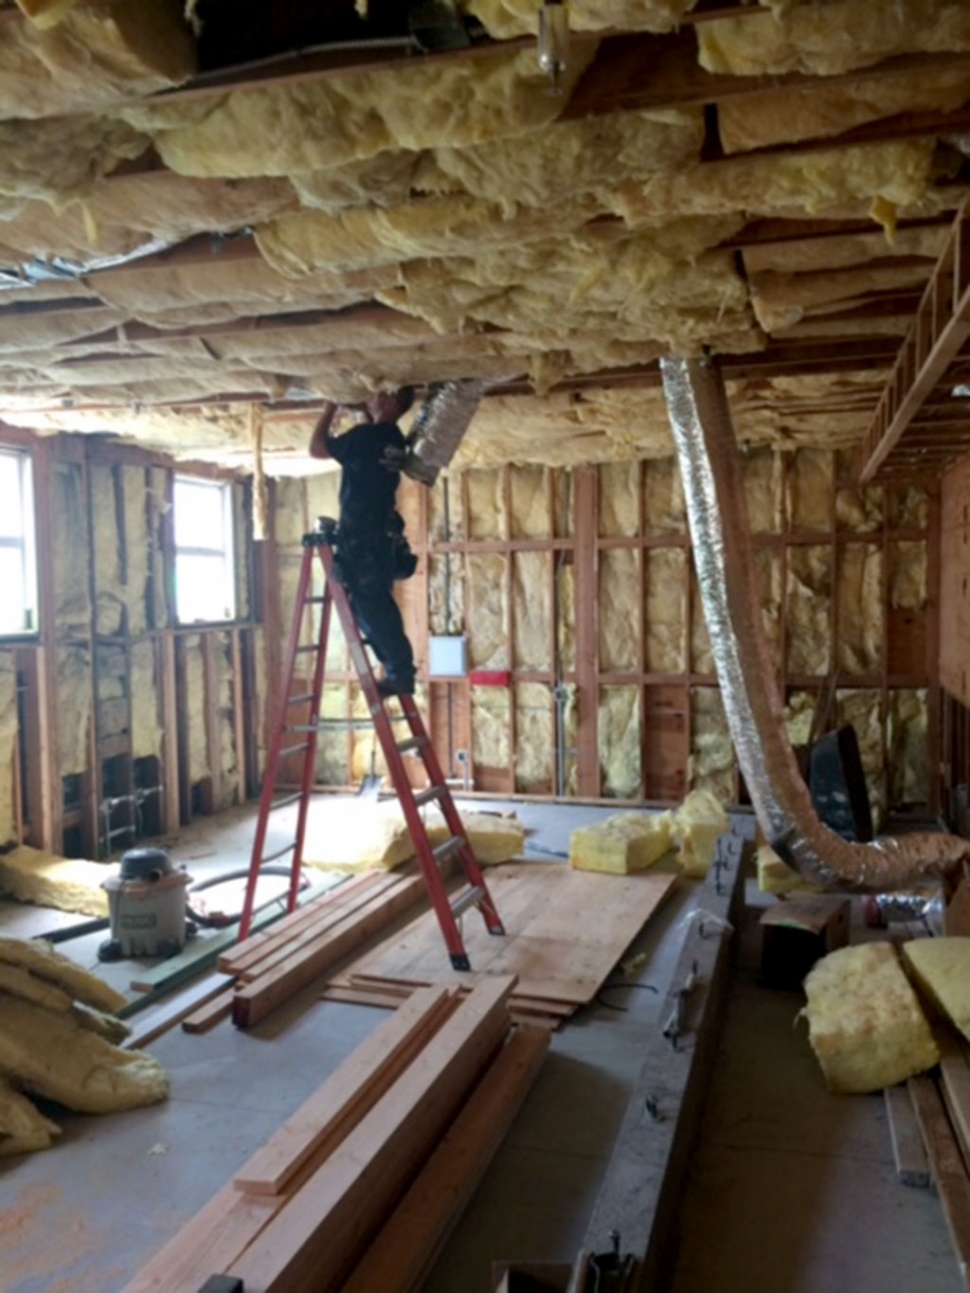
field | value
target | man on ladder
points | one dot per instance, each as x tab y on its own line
371	549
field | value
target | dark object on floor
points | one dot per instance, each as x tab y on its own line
222	1284
838	785
798	932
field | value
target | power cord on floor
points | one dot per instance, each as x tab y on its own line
608	987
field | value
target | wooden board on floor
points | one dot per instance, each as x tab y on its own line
565	931
946	1165
907	1142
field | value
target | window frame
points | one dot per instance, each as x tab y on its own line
26	544
226	550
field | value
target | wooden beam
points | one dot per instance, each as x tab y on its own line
402	1255
948	1168
587	630
311	1245
907	1142
335	1108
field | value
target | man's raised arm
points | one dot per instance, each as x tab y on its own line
321	444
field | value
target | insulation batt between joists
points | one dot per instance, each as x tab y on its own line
825	39
505	19
347	117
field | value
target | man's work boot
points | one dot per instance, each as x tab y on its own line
392	687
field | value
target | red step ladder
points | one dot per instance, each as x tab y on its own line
449	910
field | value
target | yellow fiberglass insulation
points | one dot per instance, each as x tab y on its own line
529	503
8	740
618	612
491	711
619	499
698	824
618	735
599	279
784	116
622	844
859	609
487	610
808	610
908	742
73	708
862	708
23	1128
347	116
665	593
865	1024
712	754
941	968
775	877
45	880
566	158
385	179
532	610
782	300
41	960
61	157
50	1054
505	19
898	174
825	39
98	55
534	737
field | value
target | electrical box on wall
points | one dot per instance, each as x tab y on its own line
447	657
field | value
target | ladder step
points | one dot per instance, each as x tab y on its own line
294	749
271	857
302	650
412	743
285	803
426	796
467	899
450	847
315	601
300	700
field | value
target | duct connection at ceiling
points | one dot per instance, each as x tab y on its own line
440	427
714	492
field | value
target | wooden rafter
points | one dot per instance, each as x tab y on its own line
927	373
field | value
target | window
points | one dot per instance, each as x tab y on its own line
205	582
18	558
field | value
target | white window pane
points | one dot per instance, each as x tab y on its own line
11	503
12	614
198	515
203	590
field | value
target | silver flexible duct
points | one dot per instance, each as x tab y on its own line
440	427
714	490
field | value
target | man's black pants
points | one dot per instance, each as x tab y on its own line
379	619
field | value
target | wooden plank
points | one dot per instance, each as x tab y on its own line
955	1081
947	1166
398	1260
335	1108
587	631
199	955
170	756
311	1245
206	1017
907	1142
167	1015
257	999
252	951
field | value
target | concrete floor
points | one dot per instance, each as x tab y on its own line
791	1190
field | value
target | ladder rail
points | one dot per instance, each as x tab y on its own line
310	758
277	734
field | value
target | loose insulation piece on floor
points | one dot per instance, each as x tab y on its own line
775	877
22	1127
941	968
46	880
40	959
865	1023
622	844
697	826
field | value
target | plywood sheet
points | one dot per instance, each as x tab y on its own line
565	930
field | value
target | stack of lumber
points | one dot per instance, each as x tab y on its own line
271	966
360	1188
565	931
929	1122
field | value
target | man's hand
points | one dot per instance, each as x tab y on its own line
320	440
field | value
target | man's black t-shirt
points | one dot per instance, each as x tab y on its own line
367	487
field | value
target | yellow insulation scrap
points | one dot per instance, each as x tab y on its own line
505	19
622	844
698	824
865	1024
494	839
825	39
775	877
50	1054
98	55
811	182
9	728
41	960
23	1129
818	111
347	116
941	968
67	884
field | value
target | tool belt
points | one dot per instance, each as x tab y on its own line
361	558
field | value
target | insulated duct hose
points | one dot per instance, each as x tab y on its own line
440	427
714	491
